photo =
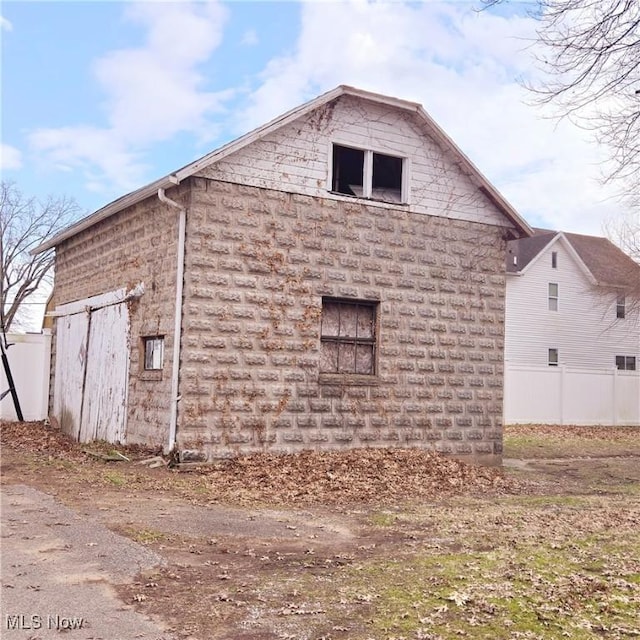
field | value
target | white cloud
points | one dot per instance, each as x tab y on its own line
249	38
10	157
463	66
152	92
5	25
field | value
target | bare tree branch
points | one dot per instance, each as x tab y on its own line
24	224
589	51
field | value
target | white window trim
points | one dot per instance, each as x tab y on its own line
367	173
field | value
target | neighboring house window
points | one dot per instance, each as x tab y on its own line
626	363
367	174
553	357
554	259
348	336
553	296
621	307
153	353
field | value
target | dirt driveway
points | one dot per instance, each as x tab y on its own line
550	548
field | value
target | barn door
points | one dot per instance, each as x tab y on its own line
92	369
104	408
71	357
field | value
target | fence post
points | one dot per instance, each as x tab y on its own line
562	398
614	408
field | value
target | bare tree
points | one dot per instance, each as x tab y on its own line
589	51
24	224
624	231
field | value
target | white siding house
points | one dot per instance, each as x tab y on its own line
571	318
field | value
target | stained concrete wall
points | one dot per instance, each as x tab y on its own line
260	261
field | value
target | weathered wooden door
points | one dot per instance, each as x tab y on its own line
71	357
104	409
92	372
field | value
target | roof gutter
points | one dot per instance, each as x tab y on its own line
177	327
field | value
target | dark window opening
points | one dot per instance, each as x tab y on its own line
348	170
554	259
626	363
348	337
621	307
553	357
387	178
365	174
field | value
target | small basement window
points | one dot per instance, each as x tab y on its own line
348	337
367	174
626	363
553	357
153	353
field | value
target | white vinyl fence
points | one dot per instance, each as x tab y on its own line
563	395
29	357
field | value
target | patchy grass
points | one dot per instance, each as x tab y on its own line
548	441
115	478
433	549
553	586
144	536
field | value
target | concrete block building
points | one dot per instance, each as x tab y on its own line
332	279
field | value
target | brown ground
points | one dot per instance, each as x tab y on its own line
269	547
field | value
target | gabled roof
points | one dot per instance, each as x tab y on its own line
606	264
176	177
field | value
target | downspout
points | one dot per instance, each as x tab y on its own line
177	329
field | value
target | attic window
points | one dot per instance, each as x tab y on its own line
367	174
621	307
554	259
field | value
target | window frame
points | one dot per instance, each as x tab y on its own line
621	307
157	344
356	341
554	259
555	360
553	300
368	173
629	363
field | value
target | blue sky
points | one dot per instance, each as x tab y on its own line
99	98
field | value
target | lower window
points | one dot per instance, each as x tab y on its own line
348	336
153	353
626	363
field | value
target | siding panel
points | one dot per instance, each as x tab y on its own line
296	159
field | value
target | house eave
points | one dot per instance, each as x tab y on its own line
111	209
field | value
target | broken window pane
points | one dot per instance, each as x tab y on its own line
348	170
348	337
364	358
348	321
387	178
329	357
331	319
347	358
365	322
